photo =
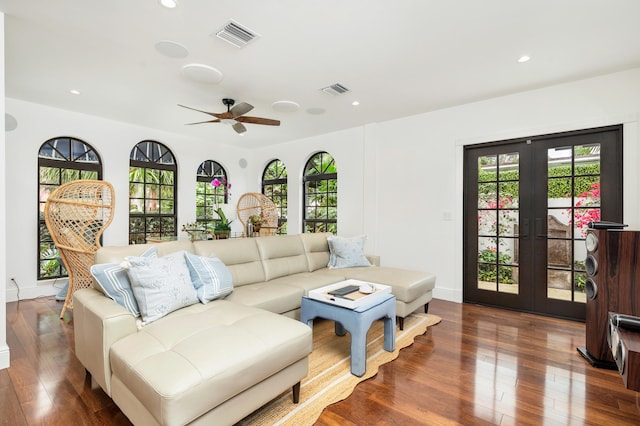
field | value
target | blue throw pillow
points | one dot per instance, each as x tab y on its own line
346	252
210	277
114	282
161	285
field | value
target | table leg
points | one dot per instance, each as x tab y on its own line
340	330
389	333
359	350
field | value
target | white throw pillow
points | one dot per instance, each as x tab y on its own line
161	285
114	282
210	276
347	252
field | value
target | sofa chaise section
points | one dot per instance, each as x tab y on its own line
173	371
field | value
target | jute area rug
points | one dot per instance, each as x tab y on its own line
330	379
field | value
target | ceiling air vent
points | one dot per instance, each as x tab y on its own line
236	34
335	89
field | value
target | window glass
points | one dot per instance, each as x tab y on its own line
274	186
60	160
320	213
152	192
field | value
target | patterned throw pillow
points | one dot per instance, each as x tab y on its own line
161	285
210	277
346	252
114	282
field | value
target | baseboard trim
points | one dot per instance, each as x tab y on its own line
5	357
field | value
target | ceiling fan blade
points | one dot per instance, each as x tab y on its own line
217	120
213	114
259	120
239	128
241	109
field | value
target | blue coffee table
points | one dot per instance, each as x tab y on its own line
357	322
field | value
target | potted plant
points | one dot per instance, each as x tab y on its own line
195	231
222	227
256	221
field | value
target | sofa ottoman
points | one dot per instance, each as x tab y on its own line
174	370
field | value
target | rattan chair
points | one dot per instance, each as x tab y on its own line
256	204
77	214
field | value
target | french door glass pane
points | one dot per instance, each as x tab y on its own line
573	200
498	216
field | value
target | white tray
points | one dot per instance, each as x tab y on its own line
351	300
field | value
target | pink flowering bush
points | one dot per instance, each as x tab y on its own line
583	215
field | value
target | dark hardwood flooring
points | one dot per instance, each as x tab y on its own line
479	366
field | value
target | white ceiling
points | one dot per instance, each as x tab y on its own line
397	58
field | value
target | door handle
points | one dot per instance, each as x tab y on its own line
524	229
541	231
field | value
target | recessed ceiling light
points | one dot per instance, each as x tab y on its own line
74	92
169	4
524	58
355	103
171	49
315	111
202	73
285	106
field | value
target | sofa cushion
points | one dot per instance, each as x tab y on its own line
316	248
347	252
406	285
273	297
308	280
215	351
113	280
240	255
209	276
282	255
161	284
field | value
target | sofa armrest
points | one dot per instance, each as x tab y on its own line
98	323
373	259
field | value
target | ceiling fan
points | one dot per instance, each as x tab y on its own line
235	116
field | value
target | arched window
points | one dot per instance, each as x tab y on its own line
208	195
60	160
274	186
152	192
320	180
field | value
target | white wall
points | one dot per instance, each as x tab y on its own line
400	182
4	349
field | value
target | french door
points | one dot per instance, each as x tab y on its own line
527	206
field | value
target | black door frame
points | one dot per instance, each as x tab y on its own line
533	248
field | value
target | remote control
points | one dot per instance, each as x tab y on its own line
344	290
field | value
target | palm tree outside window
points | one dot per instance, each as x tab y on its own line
152	192
320	213
274	186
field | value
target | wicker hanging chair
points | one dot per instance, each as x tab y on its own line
256	204
77	213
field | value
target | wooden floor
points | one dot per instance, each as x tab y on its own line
479	366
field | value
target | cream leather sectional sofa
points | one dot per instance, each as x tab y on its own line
216	363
